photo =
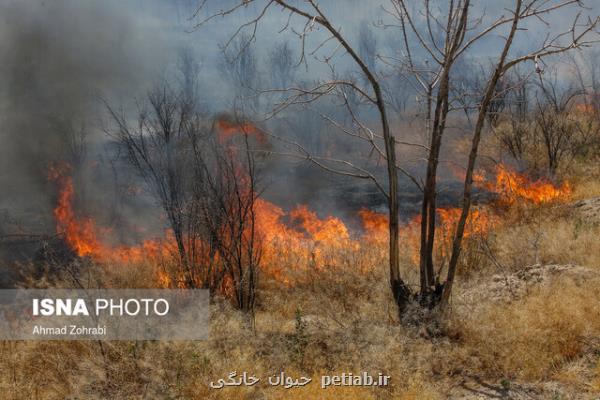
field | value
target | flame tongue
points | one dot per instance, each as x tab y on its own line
228	129
479	223
512	187
81	233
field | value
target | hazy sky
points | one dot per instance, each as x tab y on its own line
60	57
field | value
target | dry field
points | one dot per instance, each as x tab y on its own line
524	323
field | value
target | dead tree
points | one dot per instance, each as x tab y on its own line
240	67
512	125
552	122
459	32
157	148
281	59
226	199
435	81
383	143
206	188
587	74
367	45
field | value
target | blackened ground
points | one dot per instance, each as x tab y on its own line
343	197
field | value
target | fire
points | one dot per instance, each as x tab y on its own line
81	233
460	173
512	188
584	108
478	177
478	224
304	225
227	130
300	239
326	230
374	224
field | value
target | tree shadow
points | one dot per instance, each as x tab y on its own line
486	389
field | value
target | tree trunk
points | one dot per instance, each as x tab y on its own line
428	209
400	290
430	287
466	204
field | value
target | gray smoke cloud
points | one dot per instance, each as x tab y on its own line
58	59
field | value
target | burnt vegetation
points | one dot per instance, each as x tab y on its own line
356	193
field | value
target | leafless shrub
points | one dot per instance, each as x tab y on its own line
207	188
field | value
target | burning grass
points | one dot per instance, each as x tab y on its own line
82	235
512	188
309	262
299	239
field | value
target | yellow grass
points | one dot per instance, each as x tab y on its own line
549	335
534	338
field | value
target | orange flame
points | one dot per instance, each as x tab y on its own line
374	224
228	130
81	233
512	187
478	223
329	229
299	239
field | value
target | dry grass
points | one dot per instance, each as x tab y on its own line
547	237
536	337
363	339
550	335
585	176
350	327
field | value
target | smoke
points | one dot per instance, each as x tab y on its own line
58	59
